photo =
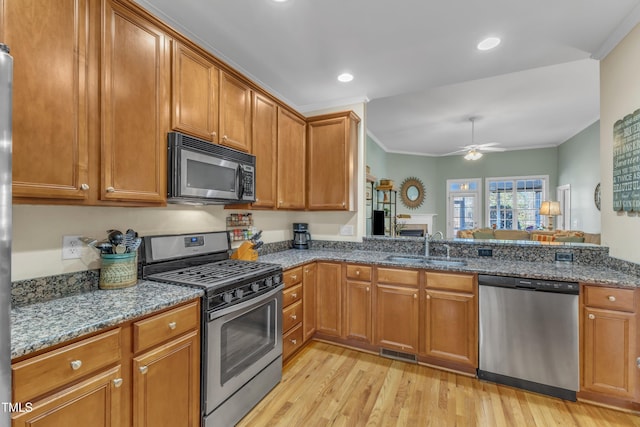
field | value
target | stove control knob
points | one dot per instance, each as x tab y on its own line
238	293
255	286
227	297
277	278
268	281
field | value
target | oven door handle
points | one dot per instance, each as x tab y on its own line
247	304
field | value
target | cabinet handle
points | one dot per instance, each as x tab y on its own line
368	289
293	317
294	342
294	277
224	137
213	134
84	187
428	296
294	296
76	364
415	296
143	369
343	204
172	325
117	382
110	189
357	272
611	298
592	316
306	270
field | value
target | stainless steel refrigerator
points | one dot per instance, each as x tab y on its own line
6	80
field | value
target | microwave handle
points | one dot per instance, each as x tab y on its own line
240	182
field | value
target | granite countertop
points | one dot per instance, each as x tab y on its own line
40	325
538	270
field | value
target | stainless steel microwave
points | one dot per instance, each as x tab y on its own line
201	172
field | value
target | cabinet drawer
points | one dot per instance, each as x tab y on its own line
450	281
291	315
164	326
40	374
292	277
359	272
611	298
291	341
291	295
398	276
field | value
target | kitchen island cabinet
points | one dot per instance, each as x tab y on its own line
609	345
450	321
397	306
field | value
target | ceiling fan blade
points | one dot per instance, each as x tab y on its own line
491	149
455	152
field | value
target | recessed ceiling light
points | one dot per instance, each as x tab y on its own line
488	43
345	77
280	1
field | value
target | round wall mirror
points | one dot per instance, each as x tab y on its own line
412	193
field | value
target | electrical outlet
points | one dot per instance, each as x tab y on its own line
346	230
71	247
485	252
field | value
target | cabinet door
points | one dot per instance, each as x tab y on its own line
291	161
331	148
328	299
166	384
195	94
609	351
309	300
397	318
235	113
135	107
50	96
265	134
357	317
451	327
95	401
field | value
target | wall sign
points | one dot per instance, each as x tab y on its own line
626	163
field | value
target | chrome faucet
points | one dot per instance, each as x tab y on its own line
448	251
428	238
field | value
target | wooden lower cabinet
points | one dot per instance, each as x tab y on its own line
166	384
358	302
96	401
609	344
148	369
292	311
329	299
309	300
450	320
397	307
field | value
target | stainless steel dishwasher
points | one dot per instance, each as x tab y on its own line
529	334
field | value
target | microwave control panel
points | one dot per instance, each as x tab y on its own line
247	181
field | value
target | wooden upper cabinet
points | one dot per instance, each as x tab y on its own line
194	94
135	107
291	161
50	96
332	145
235	113
265	140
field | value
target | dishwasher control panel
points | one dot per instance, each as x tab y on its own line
529	284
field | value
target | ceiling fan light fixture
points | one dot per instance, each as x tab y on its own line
489	43
473	155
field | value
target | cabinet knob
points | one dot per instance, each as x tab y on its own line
110	189
76	364
611	298
415	296
592	316
224	137
306	270
357	272
143	369
294	342
117	382
294	295
428	296
293	317
368	289
213	134
84	187
344	204
294	277
172	325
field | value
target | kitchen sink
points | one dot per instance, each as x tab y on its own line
446	262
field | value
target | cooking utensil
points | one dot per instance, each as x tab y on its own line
257	245
256	236
104	247
129	238
135	245
115	237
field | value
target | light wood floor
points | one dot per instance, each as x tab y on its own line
327	385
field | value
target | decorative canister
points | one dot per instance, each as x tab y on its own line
118	270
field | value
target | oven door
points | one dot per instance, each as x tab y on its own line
241	341
209	177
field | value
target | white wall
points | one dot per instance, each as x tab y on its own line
619	96
38	230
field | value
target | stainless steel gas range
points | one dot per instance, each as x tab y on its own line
241	312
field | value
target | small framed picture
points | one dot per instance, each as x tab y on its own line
367	192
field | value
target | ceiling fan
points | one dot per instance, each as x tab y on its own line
474	151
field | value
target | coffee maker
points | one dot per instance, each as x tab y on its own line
301	236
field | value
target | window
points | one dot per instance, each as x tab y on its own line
463	207
514	202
